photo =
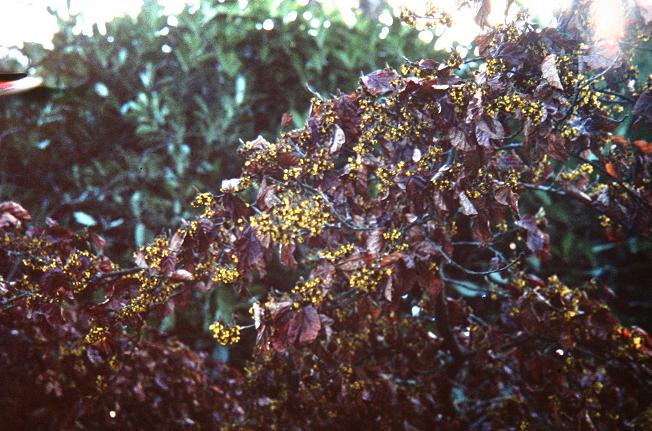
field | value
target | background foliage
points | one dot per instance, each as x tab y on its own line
151	112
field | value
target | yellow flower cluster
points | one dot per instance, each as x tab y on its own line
357	385
30	245
224	335
314	166
291	173
589	99
417	69
140	303
452	228
206	201
226	274
309	292
605	221
460	95
367	279
473	194
511	32
355	164
386	176
513	179
328	115
495	66
570	132
152	291
293	218
320	164
203	268
96	335
385	121
445	180
27	283
531	109
38	263
392	235
263	155
635	342
383	176
370	112
538	48
519	280
455	60
77	349
73	264
540	169
575	174
73	267
412	69
433	154
101	384
203	200
481	185
409	69
564	65
341	251
114	363
616	108
570	297
155	252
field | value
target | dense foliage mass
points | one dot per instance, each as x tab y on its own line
384	258
150	111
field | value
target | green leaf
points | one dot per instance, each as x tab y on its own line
135	204
168	322
84	218
567	245
467	288
101	89
230	62
42	145
139	234
240	88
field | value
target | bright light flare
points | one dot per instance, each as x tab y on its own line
463	30
268	24
607	19
545	11
27	20
608	22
